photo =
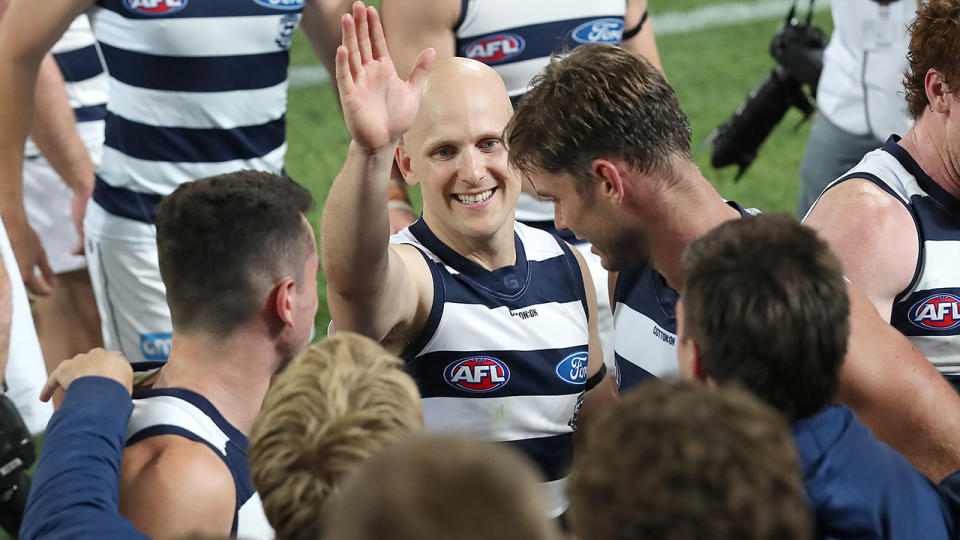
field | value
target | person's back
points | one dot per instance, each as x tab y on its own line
764	305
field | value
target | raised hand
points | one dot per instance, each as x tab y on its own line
378	106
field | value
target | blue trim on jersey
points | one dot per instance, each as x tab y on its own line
464	4
645	291
93	113
126	203
200	402
436	310
191	145
900	315
552	455
80	64
540	39
196	73
532	373
551	286
201	8
549	226
630	374
949	203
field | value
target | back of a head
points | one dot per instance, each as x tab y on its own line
224	241
604	102
934	42
681	461
766	304
337	404
436	488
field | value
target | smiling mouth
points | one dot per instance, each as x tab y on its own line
476	198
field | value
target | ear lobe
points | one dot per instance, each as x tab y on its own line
936	90
611	181
403	163
699	369
284	297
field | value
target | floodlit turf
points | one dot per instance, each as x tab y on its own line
712	71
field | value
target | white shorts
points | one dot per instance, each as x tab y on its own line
25	371
604	314
46	199
131	299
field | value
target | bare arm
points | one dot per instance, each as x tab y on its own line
6	315
321	24
27	31
171	487
413	25
603	393
642	43
370	286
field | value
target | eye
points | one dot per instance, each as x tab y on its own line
443	153
489	144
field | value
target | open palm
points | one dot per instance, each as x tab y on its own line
378	106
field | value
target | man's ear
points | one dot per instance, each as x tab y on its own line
403	163
937	90
285	295
699	369
611	179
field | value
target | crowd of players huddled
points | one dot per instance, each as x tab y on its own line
697	370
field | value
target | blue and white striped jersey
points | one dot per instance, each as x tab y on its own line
197	88
928	310
645	323
176	411
503	356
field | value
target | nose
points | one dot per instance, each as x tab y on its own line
471	166
558	221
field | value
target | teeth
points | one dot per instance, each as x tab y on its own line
474	199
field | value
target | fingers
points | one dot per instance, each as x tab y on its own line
363	31
40	284
422	68
345	81
377	39
349	40
50	387
79	248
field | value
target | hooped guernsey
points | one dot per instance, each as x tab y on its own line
503	355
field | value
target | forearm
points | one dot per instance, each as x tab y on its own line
54	130
17	78
355	231
6	314
643	42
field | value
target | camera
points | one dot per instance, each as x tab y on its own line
17	453
798	49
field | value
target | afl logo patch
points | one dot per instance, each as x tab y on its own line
477	374
494	49
573	368
608	30
936	312
155	7
281	4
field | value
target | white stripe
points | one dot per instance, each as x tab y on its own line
92	91
942	351
77	36
537	245
252	522
174	411
513	418
198	36
162	177
488	17
941	260
635	341
665	24
474	327
201	110
555	497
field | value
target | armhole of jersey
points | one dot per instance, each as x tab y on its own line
167	429
436	310
573	267
627	34
464	4
874	179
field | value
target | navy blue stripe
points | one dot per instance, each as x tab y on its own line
126	203
927	184
552	455
904	315
80	64
954	381
630	374
935	222
549	226
436	311
532	373
196	73
236	437
191	145
463	15
549	280
200	8
92	113
645	291
539	39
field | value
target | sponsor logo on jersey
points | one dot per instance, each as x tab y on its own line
281	4
616	366
939	311
155	7
573	368
608	30
477	374
285	29
155	346
494	49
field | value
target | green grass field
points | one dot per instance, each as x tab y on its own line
712	71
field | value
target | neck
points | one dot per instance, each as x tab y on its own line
233	374
490	252
680	213
928	145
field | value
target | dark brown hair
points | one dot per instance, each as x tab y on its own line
599	102
682	461
934	44
766	303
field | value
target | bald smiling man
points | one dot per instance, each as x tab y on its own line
496	321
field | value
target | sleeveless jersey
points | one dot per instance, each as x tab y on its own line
503	355
84	80
176	411
928	310
197	88
645	323
517	38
